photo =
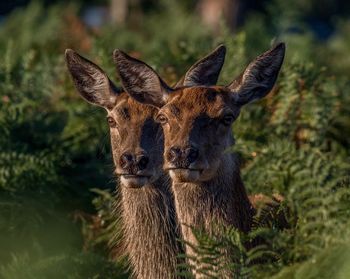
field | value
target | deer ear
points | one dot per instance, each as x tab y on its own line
259	77
205	72
140	80
91	81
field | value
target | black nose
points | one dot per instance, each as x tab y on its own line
191	154
182	157
174	154
126	160
133	163
142	162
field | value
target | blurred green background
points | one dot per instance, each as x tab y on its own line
57	188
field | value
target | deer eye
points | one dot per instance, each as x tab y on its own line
227	119
162	119
111	122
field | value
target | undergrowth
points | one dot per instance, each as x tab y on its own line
56	183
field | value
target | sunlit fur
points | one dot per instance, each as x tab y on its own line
217	194
197	128
195	118
148	214
150	232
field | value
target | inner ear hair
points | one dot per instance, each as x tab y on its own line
91	81
140	81
206	71
259	77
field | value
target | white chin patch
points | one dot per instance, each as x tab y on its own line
184	175
134	181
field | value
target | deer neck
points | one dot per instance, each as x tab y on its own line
150	229
221	201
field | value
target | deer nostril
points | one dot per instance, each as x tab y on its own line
173	154
142	162
125	160
192	154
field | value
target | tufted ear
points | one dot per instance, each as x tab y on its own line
91	81
259	77
140	80
205	72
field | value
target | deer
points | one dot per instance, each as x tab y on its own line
150	228
196	122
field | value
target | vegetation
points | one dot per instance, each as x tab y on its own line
56	174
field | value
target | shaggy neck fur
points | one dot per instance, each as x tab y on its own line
150	230
220	201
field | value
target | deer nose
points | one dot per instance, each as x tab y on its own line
182	157
142	162
133	163
174	154
126	160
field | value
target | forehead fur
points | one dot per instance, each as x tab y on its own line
196	100
132	109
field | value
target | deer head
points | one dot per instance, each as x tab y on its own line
136	138
197	119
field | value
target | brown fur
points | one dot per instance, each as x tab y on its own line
150	231
218	196
197	130
147	208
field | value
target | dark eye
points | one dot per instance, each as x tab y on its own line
162	119
227	120
111	122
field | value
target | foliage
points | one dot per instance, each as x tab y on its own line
57	191
316	207
62	266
